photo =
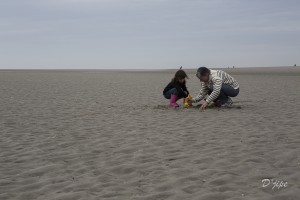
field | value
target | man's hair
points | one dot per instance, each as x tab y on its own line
202	71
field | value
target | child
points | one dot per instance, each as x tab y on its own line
218	85
176	89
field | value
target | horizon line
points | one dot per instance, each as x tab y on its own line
145	69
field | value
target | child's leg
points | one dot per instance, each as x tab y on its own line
172	91
172	94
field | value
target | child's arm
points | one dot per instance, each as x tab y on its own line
185	90
181	91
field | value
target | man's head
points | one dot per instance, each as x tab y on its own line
203	74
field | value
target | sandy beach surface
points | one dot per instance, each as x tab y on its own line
105	135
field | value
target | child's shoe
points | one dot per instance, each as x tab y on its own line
173	100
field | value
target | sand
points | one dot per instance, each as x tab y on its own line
68	135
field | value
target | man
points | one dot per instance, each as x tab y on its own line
218	85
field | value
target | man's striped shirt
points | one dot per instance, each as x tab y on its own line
216	79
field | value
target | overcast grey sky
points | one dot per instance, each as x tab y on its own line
148	33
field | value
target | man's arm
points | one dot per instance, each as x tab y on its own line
217	85
203	92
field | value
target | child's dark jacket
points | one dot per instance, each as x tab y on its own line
180	87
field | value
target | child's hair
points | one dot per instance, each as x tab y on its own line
202	71
180	74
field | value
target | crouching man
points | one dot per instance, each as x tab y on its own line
216	87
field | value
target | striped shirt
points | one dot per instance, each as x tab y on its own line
216	79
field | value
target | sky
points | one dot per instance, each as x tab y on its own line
148	34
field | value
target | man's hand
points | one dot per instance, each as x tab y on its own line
204	106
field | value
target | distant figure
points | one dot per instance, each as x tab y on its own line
176	89
233	67
218	85
295	65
